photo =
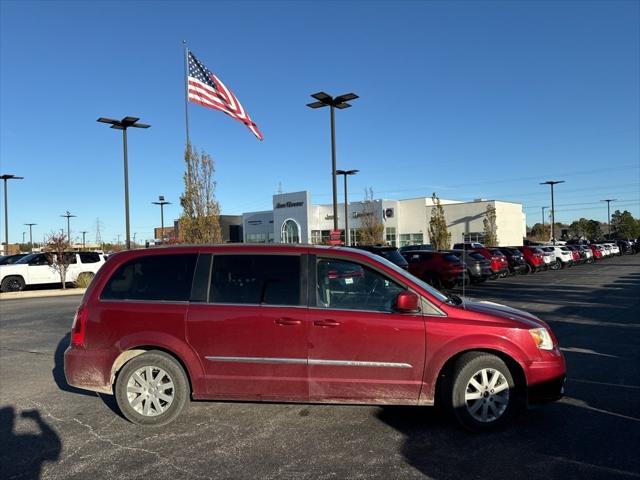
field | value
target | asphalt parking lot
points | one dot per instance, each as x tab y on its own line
50	430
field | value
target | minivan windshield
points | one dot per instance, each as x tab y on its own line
404	273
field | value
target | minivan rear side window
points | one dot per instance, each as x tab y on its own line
256	279
156	277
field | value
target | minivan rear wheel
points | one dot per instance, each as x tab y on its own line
151	389
482	392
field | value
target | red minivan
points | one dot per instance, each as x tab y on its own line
157	327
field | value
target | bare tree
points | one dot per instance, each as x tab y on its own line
490	227
58	248
200	219
371	228
439	235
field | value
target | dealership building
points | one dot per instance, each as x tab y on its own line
294	219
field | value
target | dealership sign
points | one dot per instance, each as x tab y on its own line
289	204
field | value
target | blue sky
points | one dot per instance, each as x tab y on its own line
467	99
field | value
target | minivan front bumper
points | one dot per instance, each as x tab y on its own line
546	378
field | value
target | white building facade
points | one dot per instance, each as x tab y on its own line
294	219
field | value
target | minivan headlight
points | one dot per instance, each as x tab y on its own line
541	338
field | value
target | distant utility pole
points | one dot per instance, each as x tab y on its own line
609	200
23	234
67	215
98	236
84	233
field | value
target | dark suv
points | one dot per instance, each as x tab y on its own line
478	267
517	263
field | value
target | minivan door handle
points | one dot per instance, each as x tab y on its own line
287	321
326	323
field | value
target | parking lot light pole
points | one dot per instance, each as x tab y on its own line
30	225
553	217
326	100
609	200
67	215
84	233
6	211
123	124
346	173
162	202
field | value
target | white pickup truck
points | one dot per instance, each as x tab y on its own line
40	269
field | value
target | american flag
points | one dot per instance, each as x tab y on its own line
208	90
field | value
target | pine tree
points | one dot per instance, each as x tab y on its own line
439	235
200	219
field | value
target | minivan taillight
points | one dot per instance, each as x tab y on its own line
79	327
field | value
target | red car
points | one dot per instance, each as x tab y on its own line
534	258
157	327
499	262
440	269
597	253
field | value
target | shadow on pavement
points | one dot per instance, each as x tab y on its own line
33	448
591	433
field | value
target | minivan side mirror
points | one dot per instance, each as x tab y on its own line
407	302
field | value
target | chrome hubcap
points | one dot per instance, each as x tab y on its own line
150	391
487	395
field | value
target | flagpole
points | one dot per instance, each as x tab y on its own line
186	89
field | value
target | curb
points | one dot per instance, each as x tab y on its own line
42	293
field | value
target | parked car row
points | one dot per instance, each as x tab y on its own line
475	263
41	269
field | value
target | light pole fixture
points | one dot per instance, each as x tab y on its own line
67	215
84	233
123	124
609	200
346	173
162	202
553	217
6	210
30	225
326	100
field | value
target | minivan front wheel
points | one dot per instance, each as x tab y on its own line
482	392
151	389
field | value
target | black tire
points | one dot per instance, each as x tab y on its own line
158	361
529	270
14	283
556	265
497	409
